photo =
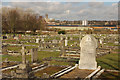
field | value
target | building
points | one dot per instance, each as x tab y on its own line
84	22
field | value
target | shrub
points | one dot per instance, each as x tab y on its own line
61	32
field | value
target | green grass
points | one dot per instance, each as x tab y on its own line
112	44
110	75
14	48
9	41
109	61
25	39
31	44
14	58
30	47
45	54
117	50
41	55
11	58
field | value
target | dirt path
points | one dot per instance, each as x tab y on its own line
77	73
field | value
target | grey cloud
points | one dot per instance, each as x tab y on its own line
92	10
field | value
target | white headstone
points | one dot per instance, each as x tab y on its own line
37	40
100	41
88	53
16	38
66	41
42	39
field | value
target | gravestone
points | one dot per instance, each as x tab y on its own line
34	56
54	41
24	69
100	41
16	38
66	41
71	38
62	46
41	46
88	46
6	60
23	55
37	40
42	39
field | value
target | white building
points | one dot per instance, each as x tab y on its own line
84	22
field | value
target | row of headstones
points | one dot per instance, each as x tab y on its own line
102	38
33	51
87	57
88	46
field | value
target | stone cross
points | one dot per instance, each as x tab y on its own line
23	55
88	46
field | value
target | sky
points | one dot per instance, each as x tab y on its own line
69	10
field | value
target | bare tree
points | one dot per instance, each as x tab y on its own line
13	19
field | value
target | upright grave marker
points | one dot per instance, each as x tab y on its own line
34	55
66	41
37	40
62	46
88	53
24	70
23	55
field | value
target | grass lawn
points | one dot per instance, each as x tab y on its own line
45	54
112	44
41	55
109	61
9	41
110	75
14	48
31	44
14	58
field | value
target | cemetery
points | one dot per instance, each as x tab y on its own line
78	40
59	56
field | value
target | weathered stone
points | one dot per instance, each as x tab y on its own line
88	53
34	55
54	41
37	40
24	69
42	39
23	55
62	47
100	41
66	41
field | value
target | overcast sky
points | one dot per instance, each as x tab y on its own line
71	10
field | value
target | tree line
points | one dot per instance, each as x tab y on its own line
16	20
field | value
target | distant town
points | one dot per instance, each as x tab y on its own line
81	24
